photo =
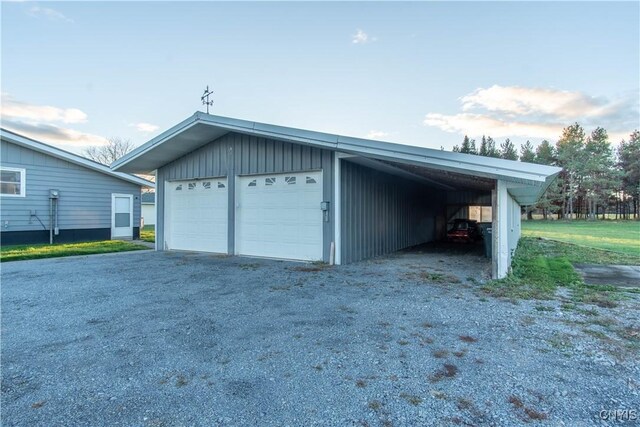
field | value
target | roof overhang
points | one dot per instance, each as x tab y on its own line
201	129
41	147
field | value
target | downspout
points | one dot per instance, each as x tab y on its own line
54	196
50	221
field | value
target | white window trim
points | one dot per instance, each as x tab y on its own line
23	181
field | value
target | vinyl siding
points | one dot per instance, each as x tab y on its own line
85	195
236	154
381	213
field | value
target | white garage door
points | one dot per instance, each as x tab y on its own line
197	215
279	216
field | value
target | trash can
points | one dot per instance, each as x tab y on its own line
486	238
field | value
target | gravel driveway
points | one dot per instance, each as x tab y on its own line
185	339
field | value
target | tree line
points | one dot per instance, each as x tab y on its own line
596	179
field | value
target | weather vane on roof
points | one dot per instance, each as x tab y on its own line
205	98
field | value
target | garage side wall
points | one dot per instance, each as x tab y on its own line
506	229
237	154
382	213
514	224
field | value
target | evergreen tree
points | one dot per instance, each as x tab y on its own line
472	147
629	163
492	151
526	152
570	156
508	150
550	200
483	147
527	155
545	154
464	148
598	174
468	146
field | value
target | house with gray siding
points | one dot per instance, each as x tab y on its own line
246	188
50	195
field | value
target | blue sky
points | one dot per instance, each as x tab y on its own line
74	73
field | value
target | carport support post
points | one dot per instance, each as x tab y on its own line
231	200
500	252
337	207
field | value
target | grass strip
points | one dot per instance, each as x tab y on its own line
24	252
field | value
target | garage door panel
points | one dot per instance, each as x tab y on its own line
197	215
280	216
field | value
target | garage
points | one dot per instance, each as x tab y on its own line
197	216
302	195
279	216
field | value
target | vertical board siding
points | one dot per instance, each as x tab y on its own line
469	197
513	225
161	176
382	213
458	202
238	154
85	194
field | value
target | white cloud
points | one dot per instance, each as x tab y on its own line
55	135
476	125
144	127
41	122
48	13
377	134
529	101
360	37
514	111
14	109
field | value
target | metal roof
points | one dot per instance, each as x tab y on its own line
526	181
41	147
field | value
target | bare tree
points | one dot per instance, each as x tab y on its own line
109	153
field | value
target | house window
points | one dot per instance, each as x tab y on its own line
206	184
310	180
179	187
252	183
269	181
12	182
221	184
192	186
290	180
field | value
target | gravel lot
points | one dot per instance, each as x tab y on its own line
172	339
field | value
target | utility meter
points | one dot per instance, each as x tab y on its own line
324	206
54	194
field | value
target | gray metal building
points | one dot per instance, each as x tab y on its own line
48	194
246	188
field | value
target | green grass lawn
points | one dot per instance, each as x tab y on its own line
148	233
548	249
617	236
540	266
22	252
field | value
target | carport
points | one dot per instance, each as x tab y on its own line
246	188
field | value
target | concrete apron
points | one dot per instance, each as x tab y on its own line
617	275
